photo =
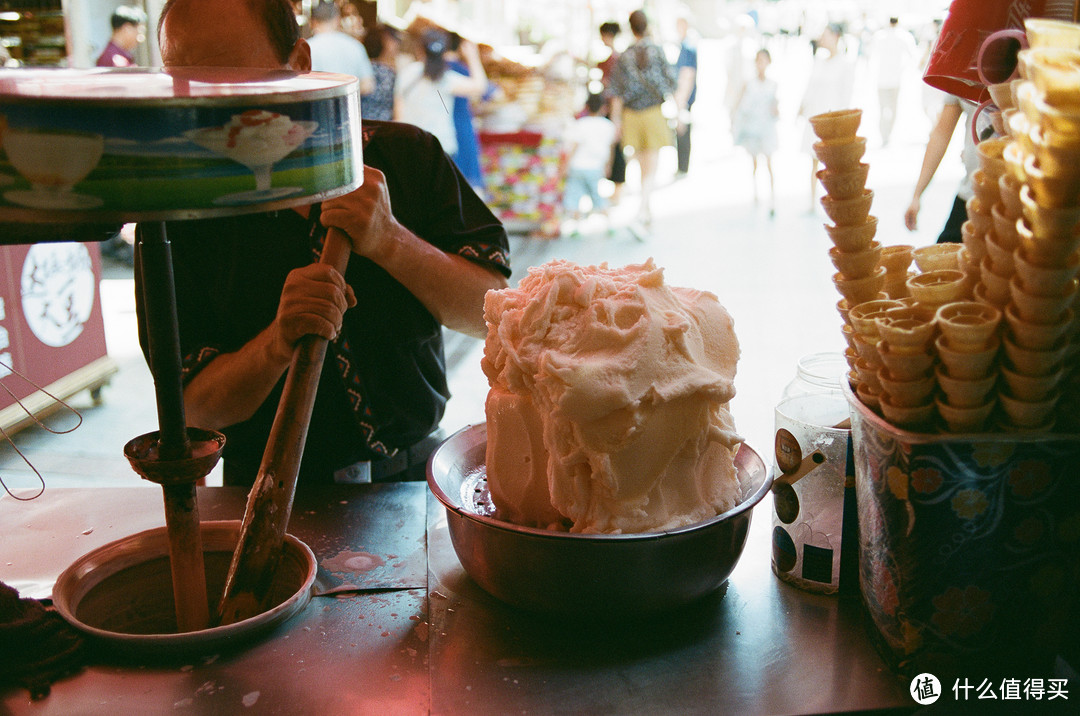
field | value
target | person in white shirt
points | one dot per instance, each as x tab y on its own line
831	86
335	51
893	52
424	93
589	140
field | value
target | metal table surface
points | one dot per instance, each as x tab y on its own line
426	639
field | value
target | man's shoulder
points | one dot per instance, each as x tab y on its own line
396	139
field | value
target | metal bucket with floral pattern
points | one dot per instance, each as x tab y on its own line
969	547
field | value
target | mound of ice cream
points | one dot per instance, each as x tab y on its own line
608	403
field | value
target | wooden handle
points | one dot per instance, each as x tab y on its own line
270	501
186	557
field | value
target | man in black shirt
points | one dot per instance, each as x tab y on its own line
425	249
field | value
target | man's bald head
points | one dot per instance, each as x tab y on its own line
231	33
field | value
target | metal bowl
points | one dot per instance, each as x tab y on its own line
585	574
121	593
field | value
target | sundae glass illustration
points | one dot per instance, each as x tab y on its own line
257	139
53	161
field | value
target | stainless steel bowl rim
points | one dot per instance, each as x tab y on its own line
746	504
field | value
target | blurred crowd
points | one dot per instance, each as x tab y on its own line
632	90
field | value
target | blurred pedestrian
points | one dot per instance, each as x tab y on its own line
467	156
892	53
940	136
128	30
756	113
642	81
831	84
424	89
686	68
382	43
588	143
335	51
617	174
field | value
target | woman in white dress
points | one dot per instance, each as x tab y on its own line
425	90
754	120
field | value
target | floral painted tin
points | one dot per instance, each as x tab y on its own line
969	547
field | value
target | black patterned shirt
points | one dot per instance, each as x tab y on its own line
383	385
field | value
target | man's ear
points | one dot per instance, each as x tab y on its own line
300	57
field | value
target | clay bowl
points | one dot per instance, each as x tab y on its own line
853	238
120	594
849	212
597	575
838	125
844	184
856	264
840	154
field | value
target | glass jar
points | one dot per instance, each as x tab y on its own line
813	499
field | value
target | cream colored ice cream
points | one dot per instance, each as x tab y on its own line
608	402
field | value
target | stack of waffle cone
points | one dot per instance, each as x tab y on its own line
906	374
1041	342
856	255
967	350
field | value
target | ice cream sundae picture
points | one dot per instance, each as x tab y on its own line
54	162
257	139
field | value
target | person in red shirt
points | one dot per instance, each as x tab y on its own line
128	30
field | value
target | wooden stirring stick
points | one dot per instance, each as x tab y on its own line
270	501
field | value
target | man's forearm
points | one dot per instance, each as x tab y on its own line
230	388
451	287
